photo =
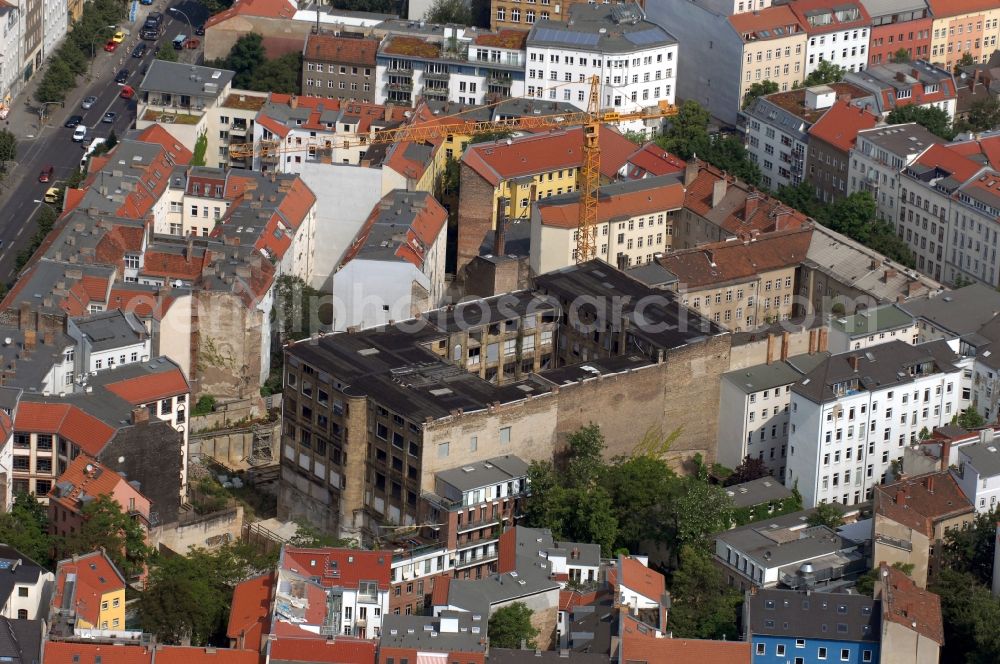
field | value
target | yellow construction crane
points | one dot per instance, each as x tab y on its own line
590	171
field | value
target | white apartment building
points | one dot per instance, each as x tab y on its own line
107	340
465	67
55	15
853	415
872	326
978	473
634	59
730	7
753	411
29	588
635	222
11	29
836	34
878	157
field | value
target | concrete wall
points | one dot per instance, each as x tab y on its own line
709	57
173	334
919	556
475	215
232	449
364	288
345	196
901	645
230	347
219	38
206	532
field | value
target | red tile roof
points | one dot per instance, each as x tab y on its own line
506	552
97	481
263	8
945	8
344	650
142	303
775	16
652	160
74	652
189	655
570	599
803	8
151	387
723	262
840	125
544	152
566	214
351	566
636	576
330	48
250	614
96	576
421	235
922	501
156	133
68	421
906	604
370	115
442	586
949	158
640	646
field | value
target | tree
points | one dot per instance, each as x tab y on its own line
983	115
970	615
933	119
751	468
511	625
827	515
969	419
901	56
824	74
700	510
965	61
166	53
181	601
449	12
765	87
308	536
584	459
106	526
200	146
543	501
587	515
112	140
26	528
246	55
279	75
688	136
8	148
703	605
639	487
970	550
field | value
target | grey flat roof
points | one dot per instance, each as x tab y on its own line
984	458
959	311
603	28
901	139
653	274
827	616
887	7
757	492
868	321
785	540
768	376
880	366
512	656
110	329
424	632
184	79
484	473
478	595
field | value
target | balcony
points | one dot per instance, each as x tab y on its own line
400	86
400	71
436	76
893	542
238	129
436	93
474	560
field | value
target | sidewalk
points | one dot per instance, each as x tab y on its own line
23	117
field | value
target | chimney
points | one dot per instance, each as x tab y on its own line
718	191
140	415
30	339
889	274
812	341
930	484
190	249
945	453
900	497
25	317
500	234
749	207
48	337
854	361
822	347
770	348
690	172
293	102
388	112
786	341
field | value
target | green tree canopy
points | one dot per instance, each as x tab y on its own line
640	487
699	510
824	74
166	53
901	55
826	514
511	625
688	136
703	605
970	550
983	115
181	601
8	148
26	528
969	419
584	456
449	11
106	526
933	119
760	89
971	615
751	468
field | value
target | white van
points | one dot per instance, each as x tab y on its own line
79	134
90	150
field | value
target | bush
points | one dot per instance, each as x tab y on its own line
205	405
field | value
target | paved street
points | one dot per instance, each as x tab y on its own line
52	145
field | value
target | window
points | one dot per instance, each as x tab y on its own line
505	436
845	655
779	650
443	450
22	591
866	655
761	648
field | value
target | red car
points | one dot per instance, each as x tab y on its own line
111	46
127	92
46	174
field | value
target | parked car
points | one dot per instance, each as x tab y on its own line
79	133
200	31
73	121
128	92
46	174
88	102
52	195
109	117
122	76
111	46
139	50
118	37
192	43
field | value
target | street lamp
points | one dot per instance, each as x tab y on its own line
178	11
41	112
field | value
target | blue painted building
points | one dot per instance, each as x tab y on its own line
794	627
